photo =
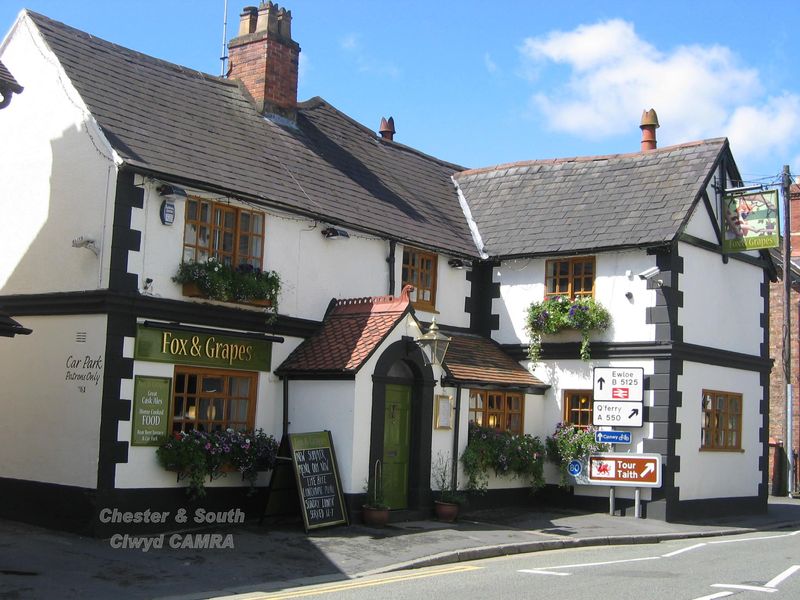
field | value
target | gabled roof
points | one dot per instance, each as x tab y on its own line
202	130
472	359
585	204
351	331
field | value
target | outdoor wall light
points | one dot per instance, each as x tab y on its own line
83	242
649	273
457	263
433	344
333	233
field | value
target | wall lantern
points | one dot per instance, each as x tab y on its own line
171	194
433	344
334	233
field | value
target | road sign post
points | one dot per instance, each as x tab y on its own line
612	437
624	414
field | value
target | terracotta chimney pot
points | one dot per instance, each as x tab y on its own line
648	126
387	130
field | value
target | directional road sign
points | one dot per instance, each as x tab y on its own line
612	437
633	470
624	414
623	385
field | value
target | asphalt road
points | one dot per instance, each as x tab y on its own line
739	567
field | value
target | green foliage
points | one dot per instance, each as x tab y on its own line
570	443
557	314
504	453
374	489
442	470
197	455
219	281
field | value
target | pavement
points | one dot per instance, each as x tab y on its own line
42	563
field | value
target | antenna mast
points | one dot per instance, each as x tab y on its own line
224	56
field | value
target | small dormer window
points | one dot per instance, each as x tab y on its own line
570	277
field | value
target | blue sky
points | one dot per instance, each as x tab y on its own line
482	83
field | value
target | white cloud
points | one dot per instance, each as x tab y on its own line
698	91
490	65
349	42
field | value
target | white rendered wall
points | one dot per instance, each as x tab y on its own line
713	474
522	282
57	178
142	469
722	303
52	388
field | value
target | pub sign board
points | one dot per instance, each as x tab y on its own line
151	402
202	349
318	483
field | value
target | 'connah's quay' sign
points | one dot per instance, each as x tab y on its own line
202	349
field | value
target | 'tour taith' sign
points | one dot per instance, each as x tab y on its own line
633	470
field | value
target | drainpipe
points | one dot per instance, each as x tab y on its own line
391	260
456	427
285	406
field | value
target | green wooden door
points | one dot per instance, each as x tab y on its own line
396	445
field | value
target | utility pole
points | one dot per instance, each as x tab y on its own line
786	184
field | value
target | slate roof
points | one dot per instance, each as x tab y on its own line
7	81
584	204
200	129
351	331
472	359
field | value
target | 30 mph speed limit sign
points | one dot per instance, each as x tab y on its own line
618	384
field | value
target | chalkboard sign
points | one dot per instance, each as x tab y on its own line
318	483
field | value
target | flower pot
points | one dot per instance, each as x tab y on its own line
375	517
191	290
446	511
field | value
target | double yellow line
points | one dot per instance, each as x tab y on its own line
360	583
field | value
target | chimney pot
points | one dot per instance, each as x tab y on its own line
247	24
648	125
387	130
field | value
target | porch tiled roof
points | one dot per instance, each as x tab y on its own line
7	81
478	360
350	333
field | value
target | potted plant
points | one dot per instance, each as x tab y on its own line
448	500
560	313
504	453
375	511
569	443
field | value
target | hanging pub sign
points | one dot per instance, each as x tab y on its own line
750	221
202	349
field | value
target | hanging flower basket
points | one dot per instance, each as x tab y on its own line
560	313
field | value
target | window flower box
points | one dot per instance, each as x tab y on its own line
554	315
199	455
244	284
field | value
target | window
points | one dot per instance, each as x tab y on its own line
212	400
571	277
578	408
722	421
500	410
419	270
234	236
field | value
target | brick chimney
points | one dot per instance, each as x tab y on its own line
648	126
264	58
387	128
